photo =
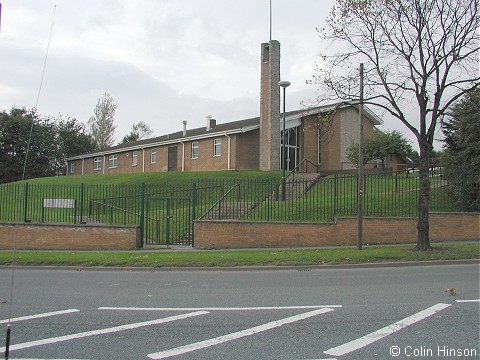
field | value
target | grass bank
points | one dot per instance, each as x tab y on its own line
303	257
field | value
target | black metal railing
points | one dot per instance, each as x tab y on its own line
165	214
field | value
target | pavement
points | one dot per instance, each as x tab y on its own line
177	248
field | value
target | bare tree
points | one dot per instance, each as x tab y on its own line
420	56
101	124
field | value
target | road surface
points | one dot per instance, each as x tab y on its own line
421	312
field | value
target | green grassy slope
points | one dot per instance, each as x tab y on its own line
167	178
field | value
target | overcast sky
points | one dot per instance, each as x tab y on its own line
163	61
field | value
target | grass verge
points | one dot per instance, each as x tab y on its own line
303	257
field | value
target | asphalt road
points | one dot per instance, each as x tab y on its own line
366	313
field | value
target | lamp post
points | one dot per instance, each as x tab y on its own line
284	85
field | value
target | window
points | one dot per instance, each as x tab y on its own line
112	161
72	167
195	150
134	158
153	156
97	163
217	147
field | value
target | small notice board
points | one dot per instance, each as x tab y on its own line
58	204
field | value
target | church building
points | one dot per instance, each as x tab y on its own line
318	136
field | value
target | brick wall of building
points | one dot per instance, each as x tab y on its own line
244	154
309	140
224	234
335	138
206	160
68	237
247	151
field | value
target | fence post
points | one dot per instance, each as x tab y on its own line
81	203
43	211
142	212
25	203
334	197
167	222
194	204
396	181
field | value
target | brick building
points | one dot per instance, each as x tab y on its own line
321	135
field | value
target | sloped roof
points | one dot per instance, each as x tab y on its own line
233	127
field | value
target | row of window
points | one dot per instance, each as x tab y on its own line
113	159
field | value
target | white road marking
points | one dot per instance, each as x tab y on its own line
236	335
37	316
102	331
383	332
466	301
222	308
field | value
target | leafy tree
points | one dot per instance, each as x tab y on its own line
419	55
72	139
13	127
381	145
462	151
51	143
14	140
101	124
139	131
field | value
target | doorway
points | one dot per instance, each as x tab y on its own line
172	158
292	149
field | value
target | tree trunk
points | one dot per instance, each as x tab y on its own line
423	226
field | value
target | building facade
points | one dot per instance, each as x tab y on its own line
320	135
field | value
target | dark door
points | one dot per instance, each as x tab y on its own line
172	158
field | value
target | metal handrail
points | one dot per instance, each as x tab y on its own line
219	200
307	161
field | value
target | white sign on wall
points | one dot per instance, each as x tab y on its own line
59	203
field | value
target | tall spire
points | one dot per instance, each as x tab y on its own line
270	106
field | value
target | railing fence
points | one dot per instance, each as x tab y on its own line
166	213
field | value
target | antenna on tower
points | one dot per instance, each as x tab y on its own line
270	20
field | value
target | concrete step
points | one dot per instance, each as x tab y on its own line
296	185
229	210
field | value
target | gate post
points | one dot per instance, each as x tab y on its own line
335	194
194	204
142	212
167	223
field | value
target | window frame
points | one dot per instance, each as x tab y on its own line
97	163
195	150
217	145
153	153
134	158
112	161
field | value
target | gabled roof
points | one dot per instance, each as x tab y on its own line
230	128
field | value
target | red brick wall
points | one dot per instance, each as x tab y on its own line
241	234
247	151
68	237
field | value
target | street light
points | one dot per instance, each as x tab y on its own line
284	85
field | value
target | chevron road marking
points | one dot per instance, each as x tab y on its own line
252	308
38	316
236	335
383	332
102	331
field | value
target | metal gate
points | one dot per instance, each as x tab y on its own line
168	221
